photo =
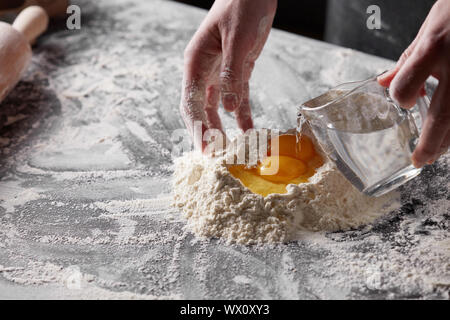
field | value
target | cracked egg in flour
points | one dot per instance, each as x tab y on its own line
237	201
290	159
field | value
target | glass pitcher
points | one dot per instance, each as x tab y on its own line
367	136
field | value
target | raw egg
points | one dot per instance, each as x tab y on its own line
290	147
290	159
281	168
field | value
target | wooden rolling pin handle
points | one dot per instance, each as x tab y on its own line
31	22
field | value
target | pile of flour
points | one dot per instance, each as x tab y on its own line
218	205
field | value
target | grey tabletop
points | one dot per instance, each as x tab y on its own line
85	188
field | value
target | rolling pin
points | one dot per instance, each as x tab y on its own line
15	49
54	8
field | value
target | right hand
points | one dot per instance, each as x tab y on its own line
219	60
428	55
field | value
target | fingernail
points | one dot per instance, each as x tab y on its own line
230	101
432	160
385	78
417	164
386	74
247	124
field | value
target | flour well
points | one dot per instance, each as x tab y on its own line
218	205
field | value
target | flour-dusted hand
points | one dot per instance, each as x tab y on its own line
428	55
219	60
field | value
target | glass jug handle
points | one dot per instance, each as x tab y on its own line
420	111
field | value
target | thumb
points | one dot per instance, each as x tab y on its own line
386	78
231	78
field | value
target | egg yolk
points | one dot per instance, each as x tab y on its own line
290	160
288	146
281	168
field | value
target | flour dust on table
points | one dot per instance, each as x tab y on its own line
85	186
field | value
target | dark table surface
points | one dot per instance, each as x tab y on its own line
85	175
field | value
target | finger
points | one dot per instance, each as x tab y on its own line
212	106
235	52
386	78
408	82
443	149
445	144
192	102
193	97
436	126
243	113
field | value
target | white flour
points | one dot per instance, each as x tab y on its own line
109	224
218	205
71	277
13	195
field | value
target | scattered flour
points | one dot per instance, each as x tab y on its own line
12	195
80	285
136	207
416	269
402	266
218	205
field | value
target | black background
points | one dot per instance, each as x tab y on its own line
343	22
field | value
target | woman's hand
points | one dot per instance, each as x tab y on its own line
428	55
219	60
